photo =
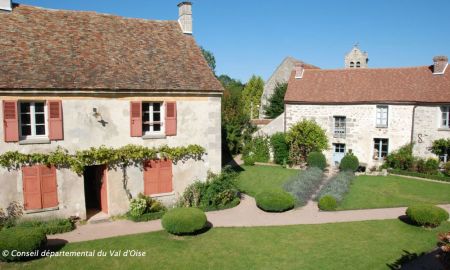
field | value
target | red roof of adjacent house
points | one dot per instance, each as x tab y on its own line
55	49
368	85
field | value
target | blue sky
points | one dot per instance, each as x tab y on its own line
252	37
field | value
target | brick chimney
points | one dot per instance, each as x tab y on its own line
5	5
185	17
299	70
440	64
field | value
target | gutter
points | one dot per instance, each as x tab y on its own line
412	123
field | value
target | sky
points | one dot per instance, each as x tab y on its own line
253	36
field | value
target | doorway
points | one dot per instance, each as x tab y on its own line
339	152
95	190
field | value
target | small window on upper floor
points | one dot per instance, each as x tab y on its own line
339	126
352	64
152	118
445	119
358	64
32	120
382	116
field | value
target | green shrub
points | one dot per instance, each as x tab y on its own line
327	203
303	185
317	159
258	148
52	226
401	159
427	215
431	166
20	239
422	175
181	221
249	160
146	216
137	207
275	201
337	186
349	163
447	168
280	148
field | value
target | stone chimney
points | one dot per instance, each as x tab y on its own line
440	64
299	70
185	17
5	5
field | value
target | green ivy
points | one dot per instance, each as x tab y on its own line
129	155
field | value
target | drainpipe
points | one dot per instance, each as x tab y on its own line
412	124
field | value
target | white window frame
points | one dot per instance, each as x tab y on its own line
380	121
445	117
380	147
151	122
340	146
340	132
32	120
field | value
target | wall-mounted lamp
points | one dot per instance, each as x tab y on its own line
98	115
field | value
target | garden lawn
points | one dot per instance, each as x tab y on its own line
353	245
393	191
255	179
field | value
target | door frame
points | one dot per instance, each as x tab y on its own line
334	152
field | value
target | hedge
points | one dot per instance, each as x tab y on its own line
317	159
349	163
427	215
181	221
21	239
421	175
146	216
275	201
53	226
327	203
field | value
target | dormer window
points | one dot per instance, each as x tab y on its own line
352	64
358	64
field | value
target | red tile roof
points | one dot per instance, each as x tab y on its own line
54	49
388	85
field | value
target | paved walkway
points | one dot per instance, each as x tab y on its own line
246	214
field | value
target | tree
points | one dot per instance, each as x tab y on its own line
252	96
275	105
305	137
210	59
441	147
233	86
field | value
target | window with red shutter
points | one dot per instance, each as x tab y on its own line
157	177
10	121
171	118
136	119
55	120
39	187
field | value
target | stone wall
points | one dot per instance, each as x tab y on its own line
198	122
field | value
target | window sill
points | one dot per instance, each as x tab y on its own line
154	136
35	141
35	211
162	194
381	126
443	129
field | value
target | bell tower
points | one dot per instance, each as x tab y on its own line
356	58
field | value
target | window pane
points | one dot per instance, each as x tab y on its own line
25	119
145	128
39	107
26	130
25	107
156	127
157	117
40	119
145	107
145	117
156	107
40	130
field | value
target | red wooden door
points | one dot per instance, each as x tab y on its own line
102	175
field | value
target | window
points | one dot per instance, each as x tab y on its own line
339	148
358	64
32	119
382	116
380	148
352	64
445	116
157	177
339	126
39	187
152	118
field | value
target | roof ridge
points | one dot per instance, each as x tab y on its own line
362	69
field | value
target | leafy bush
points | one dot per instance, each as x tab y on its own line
14	212
447	168
303	138
349	163
249	160
280	148
444	245
258	149
422	175
137	207
20	239
431	166
275	201
181	221
427	215
317	159
441	147
401	159
327	203
146	216
143	206
338	186
52	226
218	192
303	185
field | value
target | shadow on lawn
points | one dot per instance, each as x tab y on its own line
414	261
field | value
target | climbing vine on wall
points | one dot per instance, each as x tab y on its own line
129	155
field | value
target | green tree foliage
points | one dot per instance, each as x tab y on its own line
441	147
305	137
252	96
275	106
401	159
210	59
280	148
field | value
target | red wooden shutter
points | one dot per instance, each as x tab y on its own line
31	188
55	120
165	176
10	121
151	172
171	118
136	119
49	190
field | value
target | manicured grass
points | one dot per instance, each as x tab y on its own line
354	245
393	191
255	179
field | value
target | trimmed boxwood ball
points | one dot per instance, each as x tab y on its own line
317	159
181	221
427	215
349	163
327	203
22	240
275	201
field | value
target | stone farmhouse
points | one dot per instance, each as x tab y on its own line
82	79
372	111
